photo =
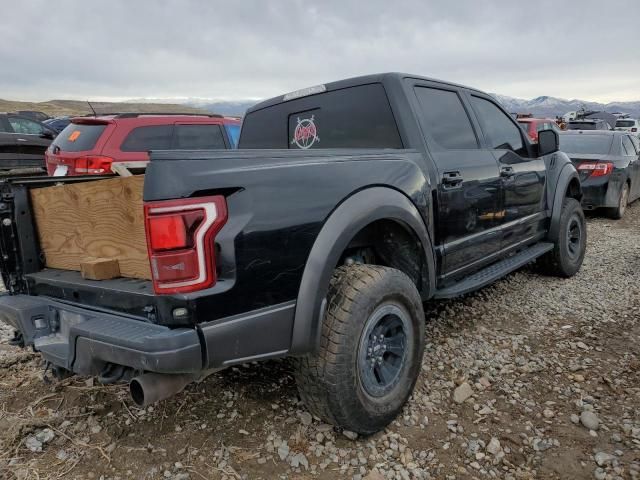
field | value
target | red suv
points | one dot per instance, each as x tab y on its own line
534	125
98	145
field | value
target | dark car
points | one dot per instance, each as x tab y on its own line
346	207
609	167
588	124
23	142
33	115
58	124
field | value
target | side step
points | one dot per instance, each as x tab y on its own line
494	271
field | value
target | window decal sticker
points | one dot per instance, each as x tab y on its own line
305	134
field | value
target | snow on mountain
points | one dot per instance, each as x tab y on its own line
552	106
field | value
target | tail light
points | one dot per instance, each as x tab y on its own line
92	165
597	169
181	242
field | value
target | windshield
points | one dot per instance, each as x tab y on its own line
626	123
586	144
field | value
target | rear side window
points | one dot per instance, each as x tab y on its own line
445	119
628	146
25	126
143	139
500	131
79	137
233	132
199	137
354	117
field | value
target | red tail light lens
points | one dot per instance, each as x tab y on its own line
92	165
181	242
597	169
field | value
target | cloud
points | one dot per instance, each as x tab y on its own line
256	49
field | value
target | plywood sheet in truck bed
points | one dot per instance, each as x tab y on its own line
95	219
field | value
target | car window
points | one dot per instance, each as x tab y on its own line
143	139
25	126
628	146
636	143
445	119
625	123
199	137
500	131
353	117
233	132
77	137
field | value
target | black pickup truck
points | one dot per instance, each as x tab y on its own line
347	206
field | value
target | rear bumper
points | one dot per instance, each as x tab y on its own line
84	341
600	192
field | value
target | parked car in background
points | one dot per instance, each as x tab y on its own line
33	115
629	125
609	167
96	145
58	123
532	126
23	142
588	124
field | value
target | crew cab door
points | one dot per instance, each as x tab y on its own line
522	175
469	188
31	139
8	146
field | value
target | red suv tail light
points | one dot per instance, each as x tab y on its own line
180	241
597	169
92	165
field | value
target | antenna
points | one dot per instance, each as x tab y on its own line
92	109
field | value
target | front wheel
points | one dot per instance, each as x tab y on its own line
370	351
570	243
618	212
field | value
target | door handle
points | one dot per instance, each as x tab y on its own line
22	139
507	172
451	179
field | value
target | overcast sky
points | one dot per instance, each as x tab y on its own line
238	49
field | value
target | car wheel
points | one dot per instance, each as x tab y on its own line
370	352
570	243
618	212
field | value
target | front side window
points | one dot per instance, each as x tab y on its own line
25	126
199	137
143	139
501	132
445	119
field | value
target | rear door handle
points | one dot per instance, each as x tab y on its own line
22	139
507	172
451	179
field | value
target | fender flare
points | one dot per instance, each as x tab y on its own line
567	174
351	216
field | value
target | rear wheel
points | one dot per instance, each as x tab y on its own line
618	212
370	352
570	243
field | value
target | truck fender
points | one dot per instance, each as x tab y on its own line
351	216
566	176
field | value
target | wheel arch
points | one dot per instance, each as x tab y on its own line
567	186
346	222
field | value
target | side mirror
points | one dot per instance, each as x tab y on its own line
48	134
548	142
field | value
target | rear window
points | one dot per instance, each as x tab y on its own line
199	137
625	123
586	144
79	137
581	126
354	117
143	139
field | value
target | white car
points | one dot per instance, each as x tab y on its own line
628	125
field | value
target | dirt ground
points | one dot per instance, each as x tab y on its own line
533	377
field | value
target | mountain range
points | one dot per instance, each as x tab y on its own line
546	106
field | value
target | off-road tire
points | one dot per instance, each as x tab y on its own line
566	257
330	382
618	212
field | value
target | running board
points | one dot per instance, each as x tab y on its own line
494	271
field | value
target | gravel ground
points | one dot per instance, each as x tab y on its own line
533	377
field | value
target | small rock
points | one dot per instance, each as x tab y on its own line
599	474
33	444
243	432
299	460
305	418
548	413
582	346
350	435
494	446
575	419
603	458
62	455
462	393
373	475
590	420
283	451
45	436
